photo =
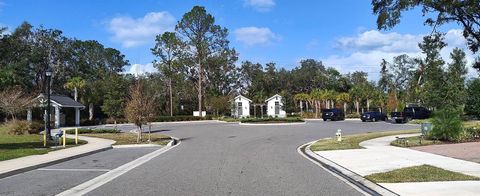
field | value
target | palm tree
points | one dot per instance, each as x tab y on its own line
302	97
356	95
75	84
316	97
344	98
259	99
331	96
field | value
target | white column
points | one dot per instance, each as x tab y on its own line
29	115
77	116
57	117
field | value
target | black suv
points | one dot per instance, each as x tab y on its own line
333	114
415	112
373	116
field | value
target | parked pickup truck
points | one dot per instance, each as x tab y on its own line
409	113
399	117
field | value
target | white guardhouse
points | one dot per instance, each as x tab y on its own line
58	102
274	107
241	107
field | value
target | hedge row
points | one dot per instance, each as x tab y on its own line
180	118
85	131
259	120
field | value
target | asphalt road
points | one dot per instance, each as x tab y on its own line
218	159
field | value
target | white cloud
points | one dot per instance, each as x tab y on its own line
260	5
132	32
140	69
255	35
366	50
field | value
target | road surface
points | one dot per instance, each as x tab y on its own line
213	159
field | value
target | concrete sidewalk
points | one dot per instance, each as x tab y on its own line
379	156
19	165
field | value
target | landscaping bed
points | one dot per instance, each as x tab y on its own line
422	173
131	138
271	120
353	141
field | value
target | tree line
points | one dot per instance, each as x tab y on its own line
198	70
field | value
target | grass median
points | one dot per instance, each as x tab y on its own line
131	138
422	173
353	141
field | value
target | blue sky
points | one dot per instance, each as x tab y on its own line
341	33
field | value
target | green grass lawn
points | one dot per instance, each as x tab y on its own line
422	173
131	138
353	141
15	146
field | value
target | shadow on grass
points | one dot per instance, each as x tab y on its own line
11	146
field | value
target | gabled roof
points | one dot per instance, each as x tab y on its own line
63	101
242	97
273	97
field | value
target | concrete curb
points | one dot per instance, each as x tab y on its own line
53	162
271	124
356	181
136	146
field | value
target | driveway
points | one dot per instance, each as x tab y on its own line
229	159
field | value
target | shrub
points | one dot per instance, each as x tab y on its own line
472	133
85	131
36	127
87	122
258	120
119	121
447	125
308	115
21	127
180	118
353	115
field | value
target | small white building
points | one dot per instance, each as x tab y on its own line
241	107
275	107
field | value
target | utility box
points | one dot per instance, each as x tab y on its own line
426	127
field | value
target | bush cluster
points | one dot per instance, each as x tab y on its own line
352	115
119	121
180	118
21	127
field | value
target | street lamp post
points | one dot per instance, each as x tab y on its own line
48	74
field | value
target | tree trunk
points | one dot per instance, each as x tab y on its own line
139	133
306	104
150	132
358	107
254	111
200	78
75	93
261	107
115	122
301	107
368	104
345	107
171	96
90	111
